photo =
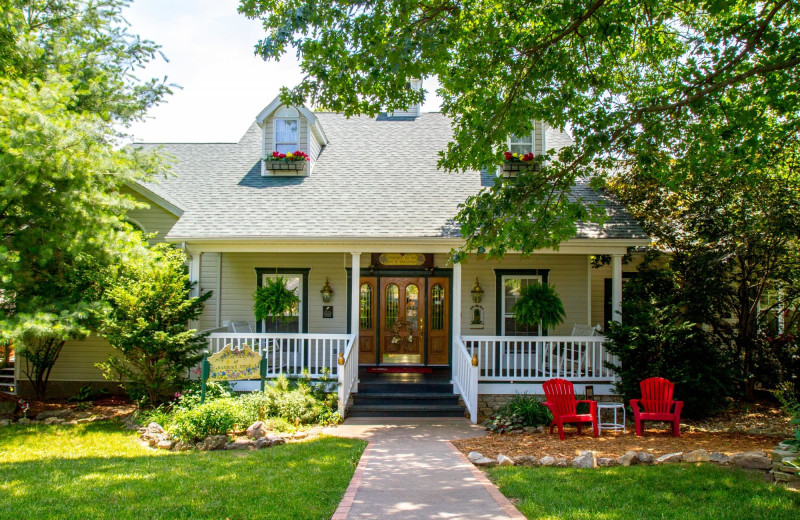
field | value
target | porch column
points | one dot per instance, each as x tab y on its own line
456	302
616	288
355	287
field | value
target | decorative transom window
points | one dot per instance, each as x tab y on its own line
509	286
521	144
287	133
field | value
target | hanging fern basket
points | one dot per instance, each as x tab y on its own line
274	299
539	304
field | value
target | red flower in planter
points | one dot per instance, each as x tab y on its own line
508	156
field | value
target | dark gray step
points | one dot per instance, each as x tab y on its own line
409	399
405	388
406	411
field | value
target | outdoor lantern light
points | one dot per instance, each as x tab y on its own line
326	292
477	292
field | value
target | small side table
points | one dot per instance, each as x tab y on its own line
614	425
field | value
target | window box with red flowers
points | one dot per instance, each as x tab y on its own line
293	161
516	162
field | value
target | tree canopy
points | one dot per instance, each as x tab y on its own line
638	80
66	86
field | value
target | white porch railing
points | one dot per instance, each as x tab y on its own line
288	354
538	358
348	374
465	378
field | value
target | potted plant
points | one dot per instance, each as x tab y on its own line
274	300
287	161
539	304
515	162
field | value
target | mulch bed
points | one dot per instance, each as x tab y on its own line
743	427
612	445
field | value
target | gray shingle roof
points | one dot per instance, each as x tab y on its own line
376	178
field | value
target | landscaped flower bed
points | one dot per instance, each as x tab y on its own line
284	407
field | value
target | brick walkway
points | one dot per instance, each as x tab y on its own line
410	471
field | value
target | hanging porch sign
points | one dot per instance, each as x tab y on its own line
230	364
402	260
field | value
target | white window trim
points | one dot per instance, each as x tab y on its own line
532	141
275	132
299	293
503	279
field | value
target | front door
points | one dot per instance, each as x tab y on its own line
404	320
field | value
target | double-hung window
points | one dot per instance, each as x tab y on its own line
287	133
510	288
295	319
521	144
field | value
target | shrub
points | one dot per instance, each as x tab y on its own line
787	396
162	415
216	417
500	423
150	303
190	396
529	409
657	338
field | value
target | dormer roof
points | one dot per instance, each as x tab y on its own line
307	114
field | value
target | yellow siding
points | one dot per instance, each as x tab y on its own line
239	283
77	360
153	219
568	275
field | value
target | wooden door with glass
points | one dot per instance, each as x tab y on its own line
404	320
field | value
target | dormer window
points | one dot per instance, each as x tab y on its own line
284	131
521	144
287	134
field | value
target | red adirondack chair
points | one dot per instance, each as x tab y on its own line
561	401
658	405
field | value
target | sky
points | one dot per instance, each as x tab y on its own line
223	85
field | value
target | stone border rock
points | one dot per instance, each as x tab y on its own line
785	462
154	436
773	465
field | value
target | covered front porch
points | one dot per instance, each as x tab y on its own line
445	327
480	364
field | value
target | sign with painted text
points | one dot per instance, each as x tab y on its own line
233	364
402	260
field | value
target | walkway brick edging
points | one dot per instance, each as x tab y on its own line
504	503
343	511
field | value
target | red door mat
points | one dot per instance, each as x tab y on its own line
399	370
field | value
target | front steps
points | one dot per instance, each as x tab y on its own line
405	395
7	383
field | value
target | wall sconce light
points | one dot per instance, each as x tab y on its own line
477	292
326	292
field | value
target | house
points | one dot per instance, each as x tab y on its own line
369	219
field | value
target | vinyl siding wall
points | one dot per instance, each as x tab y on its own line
232	298
568	274
153	219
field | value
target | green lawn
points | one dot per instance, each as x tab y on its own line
673	491
100	471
